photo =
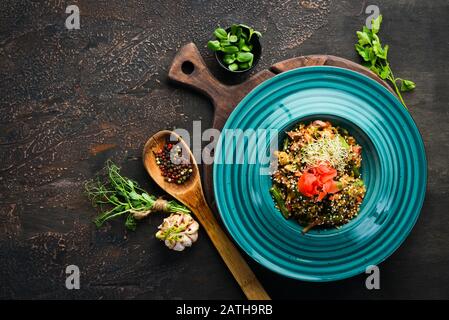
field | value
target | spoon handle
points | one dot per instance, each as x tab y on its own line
229	253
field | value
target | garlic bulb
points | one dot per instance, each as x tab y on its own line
178	231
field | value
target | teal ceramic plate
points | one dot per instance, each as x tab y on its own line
393	168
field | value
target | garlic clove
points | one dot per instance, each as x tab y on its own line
178	246
186	241
193	236
170	243
193	227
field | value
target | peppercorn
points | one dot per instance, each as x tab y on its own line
178	171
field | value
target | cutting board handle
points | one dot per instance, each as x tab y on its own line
188	68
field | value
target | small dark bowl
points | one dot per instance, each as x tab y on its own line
257	52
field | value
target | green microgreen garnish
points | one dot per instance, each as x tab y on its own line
117	196
235	45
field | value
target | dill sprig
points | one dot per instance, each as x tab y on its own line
116	196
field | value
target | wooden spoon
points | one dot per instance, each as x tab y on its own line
190	193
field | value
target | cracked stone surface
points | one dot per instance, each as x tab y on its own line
70	100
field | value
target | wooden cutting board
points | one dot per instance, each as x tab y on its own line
188	68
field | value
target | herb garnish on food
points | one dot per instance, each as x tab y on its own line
120	196
375	57
236	46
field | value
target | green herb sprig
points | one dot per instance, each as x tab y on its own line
117	196
374	57
236	46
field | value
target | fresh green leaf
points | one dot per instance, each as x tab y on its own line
250	62
369	52
233	38
244	56
241	43
360	49
375	24
244	66
233	67
379	51
257	33
214	45
386	51
229	58
251	31
375	69
368	32
225	43
250	35
238	33
221	34
230	49
377	47
364	52
245	26
134	195
246	48
364	38
234	28
407	85
385	72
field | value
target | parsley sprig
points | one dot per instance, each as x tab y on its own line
374	57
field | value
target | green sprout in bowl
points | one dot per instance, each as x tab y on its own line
236	46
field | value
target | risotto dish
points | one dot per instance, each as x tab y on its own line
318	180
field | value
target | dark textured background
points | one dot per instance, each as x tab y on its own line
72	99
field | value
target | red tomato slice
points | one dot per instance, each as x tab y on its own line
321	195
326	173
307	184
318	181
331	187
